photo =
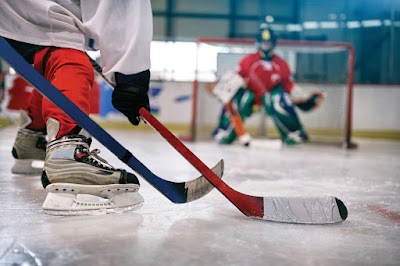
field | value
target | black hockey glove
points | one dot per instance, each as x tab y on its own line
311	102
130	94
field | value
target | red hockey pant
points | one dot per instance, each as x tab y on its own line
70	71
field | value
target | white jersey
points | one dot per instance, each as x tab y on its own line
122	29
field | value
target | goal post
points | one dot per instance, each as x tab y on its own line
315	65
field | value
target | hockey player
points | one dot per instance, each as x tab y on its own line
262	79
52	36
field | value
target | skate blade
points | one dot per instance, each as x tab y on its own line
27	167
96	190
67	204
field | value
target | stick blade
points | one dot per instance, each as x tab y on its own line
200	186
304	210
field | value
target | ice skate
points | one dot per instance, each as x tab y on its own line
29	148
80	182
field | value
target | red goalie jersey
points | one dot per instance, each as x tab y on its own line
264	75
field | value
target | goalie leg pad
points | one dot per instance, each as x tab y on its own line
225	136
244	101
75	199
279	107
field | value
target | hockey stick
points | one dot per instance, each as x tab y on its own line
310	210
176	192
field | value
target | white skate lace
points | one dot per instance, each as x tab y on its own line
99	161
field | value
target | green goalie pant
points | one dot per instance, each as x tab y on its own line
243	101
280	108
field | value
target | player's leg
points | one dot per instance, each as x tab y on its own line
279	107
78	180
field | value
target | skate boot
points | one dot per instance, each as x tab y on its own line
80	182
29	148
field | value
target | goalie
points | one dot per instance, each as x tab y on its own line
262	79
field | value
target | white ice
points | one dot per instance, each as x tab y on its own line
211	231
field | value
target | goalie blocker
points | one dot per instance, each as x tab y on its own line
227	86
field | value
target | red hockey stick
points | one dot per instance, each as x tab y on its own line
310	210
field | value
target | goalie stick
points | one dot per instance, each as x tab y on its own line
176	192
307	210
237	122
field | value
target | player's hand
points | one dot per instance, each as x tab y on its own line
130	94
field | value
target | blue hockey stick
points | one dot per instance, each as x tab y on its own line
176	192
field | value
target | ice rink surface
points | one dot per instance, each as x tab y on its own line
211	231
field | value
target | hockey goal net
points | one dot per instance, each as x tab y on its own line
324	66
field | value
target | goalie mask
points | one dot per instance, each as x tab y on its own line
266	41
